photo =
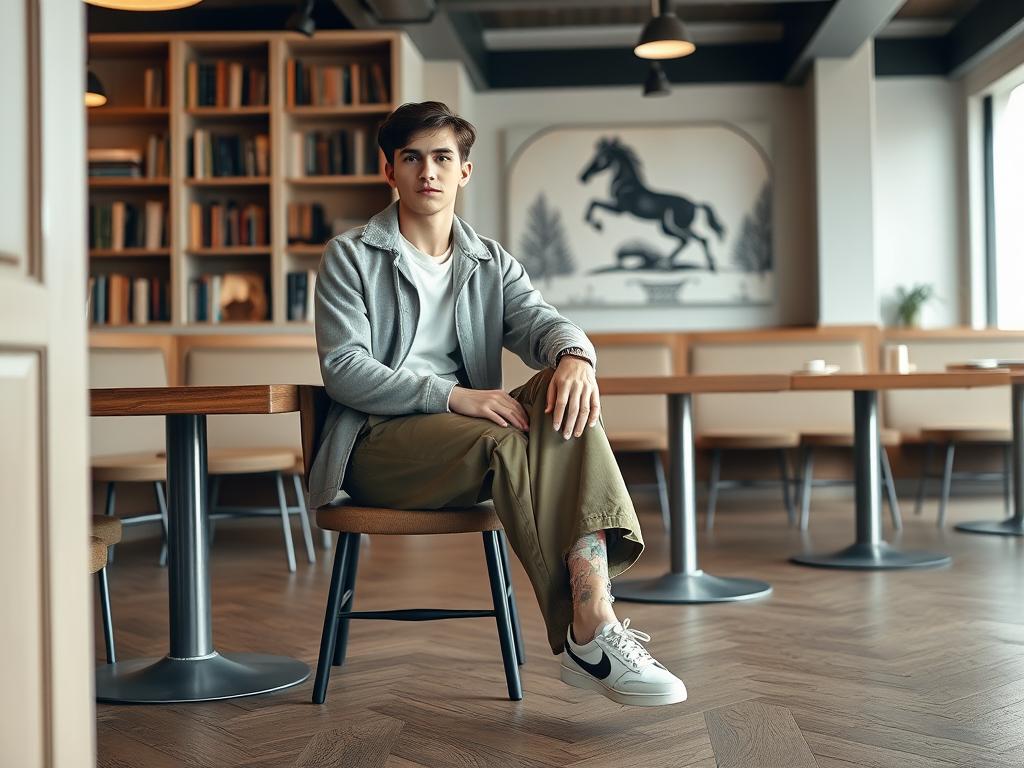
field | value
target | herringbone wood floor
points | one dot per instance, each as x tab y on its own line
835	669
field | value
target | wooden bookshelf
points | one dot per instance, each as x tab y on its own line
127	121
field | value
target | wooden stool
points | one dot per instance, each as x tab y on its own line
778	440
351	521
844	439
106	532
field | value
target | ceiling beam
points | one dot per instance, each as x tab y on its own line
987	28
847	25
447	36
484	6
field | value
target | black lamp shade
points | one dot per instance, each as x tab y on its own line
656	83
664	37
95	96
302	20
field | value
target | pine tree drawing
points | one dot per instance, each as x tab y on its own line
753	251
544	249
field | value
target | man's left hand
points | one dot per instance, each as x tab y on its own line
573	396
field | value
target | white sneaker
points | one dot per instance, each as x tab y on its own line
615	664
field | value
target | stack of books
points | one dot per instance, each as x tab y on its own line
217	225
119	225
306	224
120	300
153	87
301	289
115	163
212	155
334	153
224	84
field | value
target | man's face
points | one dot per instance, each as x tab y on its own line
428	173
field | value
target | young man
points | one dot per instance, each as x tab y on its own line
412	312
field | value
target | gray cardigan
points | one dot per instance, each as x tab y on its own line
366	314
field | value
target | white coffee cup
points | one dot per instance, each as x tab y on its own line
899	359
814	366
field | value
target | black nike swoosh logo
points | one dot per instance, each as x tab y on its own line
601	670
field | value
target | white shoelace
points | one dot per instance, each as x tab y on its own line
627	641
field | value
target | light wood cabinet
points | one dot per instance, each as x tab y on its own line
246	173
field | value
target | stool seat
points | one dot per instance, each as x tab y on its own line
348	517
967	434
749	438
841	438
107	529
638	441
130	468
97	554
240	461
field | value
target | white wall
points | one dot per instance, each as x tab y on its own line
501	115
918	194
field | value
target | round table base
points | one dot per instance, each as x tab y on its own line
880	556
1013	526
696	587
166	680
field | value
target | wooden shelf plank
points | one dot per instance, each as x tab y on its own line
327	181
257	111
231	250
108	253
340	110
306	249
108	115
229	181
127	181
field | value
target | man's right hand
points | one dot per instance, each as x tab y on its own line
491	404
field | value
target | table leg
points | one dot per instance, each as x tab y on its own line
686	583
869	552
192	670
1011	526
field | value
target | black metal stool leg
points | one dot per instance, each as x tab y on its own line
716	473
890	489
929	453
108	624
348	596
330	633
786	497
109	512
499	595
513	611
947	478
805	490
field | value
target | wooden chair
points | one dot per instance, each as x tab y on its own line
844	439
352	521
950	436
106	532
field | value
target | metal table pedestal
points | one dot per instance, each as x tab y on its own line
1012	526
686	583
869	552
192	670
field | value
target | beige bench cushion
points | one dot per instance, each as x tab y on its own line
756	411
910	411
137	367
213	366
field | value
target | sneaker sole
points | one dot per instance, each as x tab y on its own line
583	680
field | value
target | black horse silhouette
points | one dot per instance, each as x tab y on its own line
675	212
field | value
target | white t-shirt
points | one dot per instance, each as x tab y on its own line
435	343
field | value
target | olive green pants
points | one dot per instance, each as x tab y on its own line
547	491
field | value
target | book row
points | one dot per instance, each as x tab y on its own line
230	297
152	161
335	153
224	84
154	93
122	300
335	85
212	155
119	225
301	288
217	225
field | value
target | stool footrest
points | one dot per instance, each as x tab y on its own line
419	614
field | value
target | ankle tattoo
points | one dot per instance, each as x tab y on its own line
588	567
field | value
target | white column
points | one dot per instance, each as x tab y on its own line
844	119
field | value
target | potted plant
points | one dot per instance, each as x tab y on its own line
909	303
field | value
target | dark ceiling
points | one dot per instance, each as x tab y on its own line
570	43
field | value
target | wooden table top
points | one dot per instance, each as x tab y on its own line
162	401
676	385
958	379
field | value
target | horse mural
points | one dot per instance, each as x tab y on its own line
675	212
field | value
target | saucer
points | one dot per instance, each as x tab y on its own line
827	370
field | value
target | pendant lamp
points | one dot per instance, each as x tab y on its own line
143	5
95	96
657	83
664	36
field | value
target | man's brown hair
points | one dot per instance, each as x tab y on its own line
411	119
